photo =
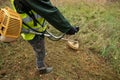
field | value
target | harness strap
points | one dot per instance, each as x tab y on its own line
22	7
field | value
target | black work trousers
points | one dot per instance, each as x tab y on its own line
38	45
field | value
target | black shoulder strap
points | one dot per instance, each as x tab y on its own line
23	7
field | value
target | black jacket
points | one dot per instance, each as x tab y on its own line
50	13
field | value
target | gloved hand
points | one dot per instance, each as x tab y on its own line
73	30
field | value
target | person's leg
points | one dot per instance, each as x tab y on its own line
38	45
39	48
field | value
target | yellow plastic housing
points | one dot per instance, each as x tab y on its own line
10	25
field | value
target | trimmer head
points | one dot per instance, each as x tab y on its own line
73	44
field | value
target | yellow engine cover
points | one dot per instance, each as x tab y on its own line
10	25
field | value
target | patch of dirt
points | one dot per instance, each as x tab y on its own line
18	63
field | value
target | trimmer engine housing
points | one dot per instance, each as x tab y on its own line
10	25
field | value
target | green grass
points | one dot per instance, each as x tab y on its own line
100	28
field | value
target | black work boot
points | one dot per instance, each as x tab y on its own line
45	70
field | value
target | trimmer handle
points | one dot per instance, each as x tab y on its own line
53	37
47	34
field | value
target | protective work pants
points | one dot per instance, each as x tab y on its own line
39	48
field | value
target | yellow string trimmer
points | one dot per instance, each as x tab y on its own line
11	27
